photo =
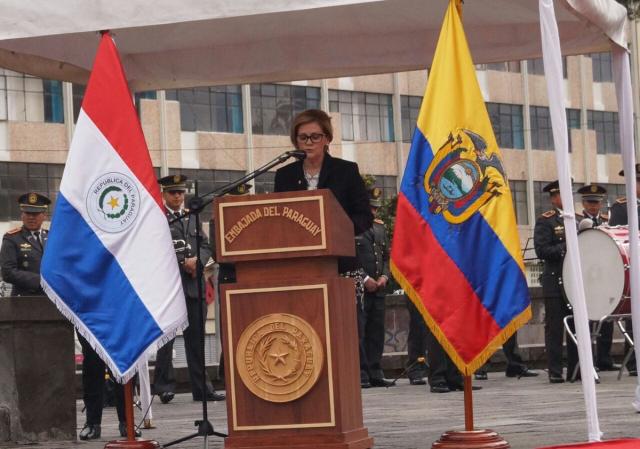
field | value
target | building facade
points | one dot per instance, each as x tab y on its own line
217	134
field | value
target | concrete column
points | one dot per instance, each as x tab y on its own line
397	130
526	125
164	152
67	107
583	60
324	95
248	130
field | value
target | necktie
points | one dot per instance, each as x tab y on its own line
36	235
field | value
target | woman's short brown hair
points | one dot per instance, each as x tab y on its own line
311	116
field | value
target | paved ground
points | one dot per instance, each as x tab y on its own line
529	413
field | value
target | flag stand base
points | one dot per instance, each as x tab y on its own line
135	444
470	439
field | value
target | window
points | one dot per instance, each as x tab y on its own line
506	120
573	122
53	107
388	185
602	70
510	66
273	106
409	110
607	131
146	95
536	67
540	199
217	108
365	116
17	178
614	191
520	204
541	134
78	96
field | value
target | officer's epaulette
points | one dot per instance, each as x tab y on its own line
622	200
377	220
549	213
579	216
13	231
604	216
186	211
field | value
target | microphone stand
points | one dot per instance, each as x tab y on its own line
196	205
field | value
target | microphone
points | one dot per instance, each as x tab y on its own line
298	154
585	224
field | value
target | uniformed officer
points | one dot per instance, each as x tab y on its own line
550	246
618	217
226	271
183	233
592	199
372	250
22	247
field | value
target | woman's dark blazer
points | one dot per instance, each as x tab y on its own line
344	180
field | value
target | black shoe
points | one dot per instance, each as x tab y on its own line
417	381
460	387
481	376
440	388
365	384
90	432
123	430
525	372
612	367
555	379
633	372
381	383
166	397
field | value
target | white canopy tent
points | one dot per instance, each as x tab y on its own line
168	44
165	44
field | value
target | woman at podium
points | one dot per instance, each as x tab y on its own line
311	132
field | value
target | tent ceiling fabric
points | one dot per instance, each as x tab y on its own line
193	42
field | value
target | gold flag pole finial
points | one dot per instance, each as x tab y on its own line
459	6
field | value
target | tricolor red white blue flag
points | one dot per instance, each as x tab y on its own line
110	266
456	250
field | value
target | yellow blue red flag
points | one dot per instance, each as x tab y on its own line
456	250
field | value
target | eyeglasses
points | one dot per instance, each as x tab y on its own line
315	137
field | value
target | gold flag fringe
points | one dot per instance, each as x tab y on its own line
466	368
169	334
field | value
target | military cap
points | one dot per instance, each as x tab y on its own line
552	187
593	192
375	197
173	183
242	189
33	202
621	172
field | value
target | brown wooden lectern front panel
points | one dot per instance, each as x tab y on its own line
291	344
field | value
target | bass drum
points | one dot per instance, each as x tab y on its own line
604	257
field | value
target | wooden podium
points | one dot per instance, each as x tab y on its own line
289	323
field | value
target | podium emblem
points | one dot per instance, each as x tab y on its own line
279	357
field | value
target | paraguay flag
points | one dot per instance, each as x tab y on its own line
110	266
456	250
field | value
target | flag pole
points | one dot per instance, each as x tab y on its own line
468	404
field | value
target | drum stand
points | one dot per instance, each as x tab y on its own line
594	336
620	321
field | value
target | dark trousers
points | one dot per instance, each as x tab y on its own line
515	364
555	310
603	345
197	315
441	368
93	370
416	343
164	379
371	335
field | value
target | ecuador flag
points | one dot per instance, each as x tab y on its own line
456	250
